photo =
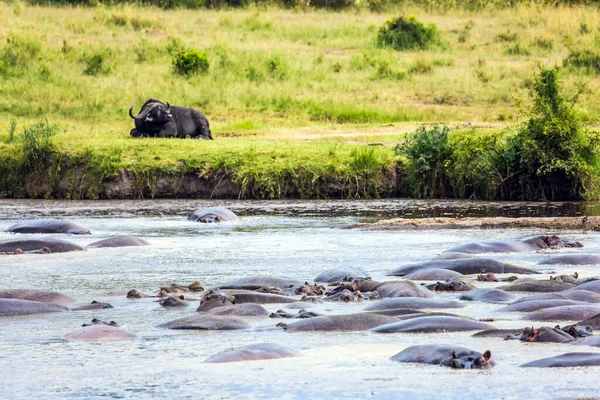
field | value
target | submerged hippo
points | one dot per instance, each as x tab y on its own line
100	332
535	305
431	324
248	296
447	356
546	286
567	360
240	310
94	305
339	323
302	314
174	301
572	259
215	298
213	214
260	281
32	245
545	334
592	286
564	313
509	246
401	289
263	351
48	226
432	274
10	307
195	286
42	296
465	266
206	322
488	295
342	274
120	241
414	303
593	321
451	285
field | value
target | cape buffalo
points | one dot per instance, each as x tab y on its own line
158	119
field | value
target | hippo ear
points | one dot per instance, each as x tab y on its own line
487	355
181	297
575	275
437	286
572	331
202	219
454	356
557	327
94	302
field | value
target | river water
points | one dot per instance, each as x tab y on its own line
293	239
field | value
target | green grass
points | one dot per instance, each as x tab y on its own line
283	89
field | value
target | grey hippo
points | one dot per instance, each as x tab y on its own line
414	303
535	305
174	301
339	323
263	351
451	285
567	360
545	335
100	332
432	274
401	289
10	307
206	322
43	296
538	286
260	281
572	259
341	274
240	310
94	305
564	313
433	324
213	214
509	246
446	356
488	295
48	226
465	266
28	245
120	241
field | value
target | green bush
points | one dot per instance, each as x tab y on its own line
585	60
191	62
37	145
428	153
98	63
406	34
17	54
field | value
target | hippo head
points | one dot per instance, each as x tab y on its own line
577	330
489	277
215	298
210	218
174	301
101	305
480	361
134	294
552	241
529	334
196	286
450	285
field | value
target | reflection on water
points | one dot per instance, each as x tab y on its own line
295	239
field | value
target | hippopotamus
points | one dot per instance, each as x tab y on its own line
488	295
94	305
215	298
446	356
535	305
97	321
120	241
545	334
509	246
263	351
432	274
134	294
451	285
451	256
431	324
206	322
174	301
48	226
346	296
363	285
260	281
546	286
341	274
339	323
500	333
42	296
302	314
572	259
592	286
465	266
567	360
195	286
240	310
248	296
10	307
566	278
593	321
100	332
564	313
587	341
401	289
577	331
213	214
414	303
30	245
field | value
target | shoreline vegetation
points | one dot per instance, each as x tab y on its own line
303	102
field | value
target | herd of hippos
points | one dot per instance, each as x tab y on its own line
394	306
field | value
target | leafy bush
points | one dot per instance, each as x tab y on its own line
17	54
406	34
586	60
428	153
37	144
463	35
191	62
98	63
517	50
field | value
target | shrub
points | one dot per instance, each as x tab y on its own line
517	50
507	37
17	54
586	60
420	67
406	34
97	63
427	152
191	62
463	35
37	144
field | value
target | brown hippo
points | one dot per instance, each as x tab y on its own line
564	313
413	303
431	324
509	246
206	322
215	298
263	351
432	274
177	288
446	356
401	289
339	323
94	305
572	259
42	296
341	274
33	245
134	294
10	307
174	301
97	321
260	281
213	214
100	332
545	334
566	360
240	310
488	295
465	266
566	278
546	286
120	241
302	314
48	226
451	285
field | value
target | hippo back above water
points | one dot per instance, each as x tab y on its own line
213	214
48	226
509	246
29	245
447	356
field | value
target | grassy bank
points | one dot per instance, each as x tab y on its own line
293	97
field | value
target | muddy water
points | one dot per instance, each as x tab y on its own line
293	239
